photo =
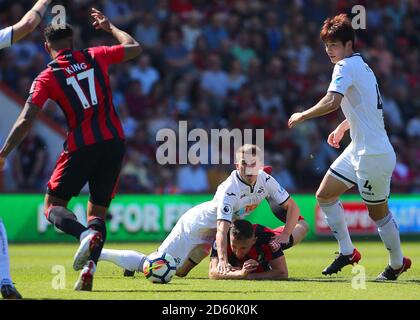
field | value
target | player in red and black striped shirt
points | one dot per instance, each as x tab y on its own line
78	81
250	254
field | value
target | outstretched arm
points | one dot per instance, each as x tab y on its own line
329	103
30	20
292	218
19	131
131	47
221	245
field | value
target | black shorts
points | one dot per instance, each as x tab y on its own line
98	164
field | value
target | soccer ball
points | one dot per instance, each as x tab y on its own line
159	267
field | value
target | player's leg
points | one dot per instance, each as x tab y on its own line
8	291
195	256
186	247
181	247
131	261
300	231
88	254
389	233
96	221
332	208
187	266
66	221
57	213
178	245
340	177
4	257
328	200
374	179
105	161
66	181
68	178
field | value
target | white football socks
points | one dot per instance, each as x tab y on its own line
389	233
334	215
126	259
4	257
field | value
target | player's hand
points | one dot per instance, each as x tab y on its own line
101	21
335	137
277	241
249	266
2	163
295	119
223	267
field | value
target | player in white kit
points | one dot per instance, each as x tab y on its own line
368	161
8	36
191	240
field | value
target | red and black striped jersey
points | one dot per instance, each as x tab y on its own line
260	251
78	82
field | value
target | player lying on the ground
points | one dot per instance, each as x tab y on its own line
8	36
132	261
368	161
251	254
78	81
191	239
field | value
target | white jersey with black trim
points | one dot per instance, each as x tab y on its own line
234	199
6	37
361	105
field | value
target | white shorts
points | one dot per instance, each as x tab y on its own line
183	246
371	173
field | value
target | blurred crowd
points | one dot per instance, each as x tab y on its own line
231	64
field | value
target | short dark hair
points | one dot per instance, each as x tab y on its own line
338	29
53	33
242	230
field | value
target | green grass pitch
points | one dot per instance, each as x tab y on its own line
33	274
